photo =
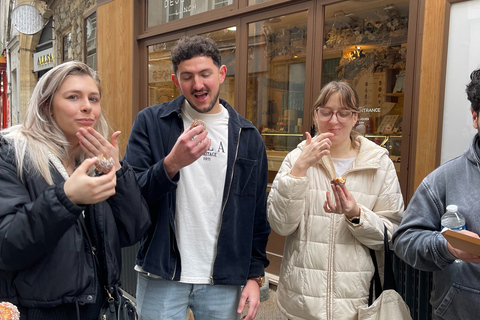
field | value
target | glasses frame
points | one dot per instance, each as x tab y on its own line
339	119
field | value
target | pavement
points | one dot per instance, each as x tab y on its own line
268	308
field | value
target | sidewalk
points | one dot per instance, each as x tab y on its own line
268	309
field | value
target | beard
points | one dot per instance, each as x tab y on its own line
210	106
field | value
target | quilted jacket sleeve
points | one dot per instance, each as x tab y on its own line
286	200
129	208
29	228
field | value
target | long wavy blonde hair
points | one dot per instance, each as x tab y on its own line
40	134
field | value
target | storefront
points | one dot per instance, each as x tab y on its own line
278	55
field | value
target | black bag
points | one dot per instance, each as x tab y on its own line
124	309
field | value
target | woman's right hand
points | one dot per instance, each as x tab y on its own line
80	188
314	149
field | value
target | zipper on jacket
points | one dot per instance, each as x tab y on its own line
331	253
228	195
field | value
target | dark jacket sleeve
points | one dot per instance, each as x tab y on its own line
418	240
30	226
261	226
146	154
129	207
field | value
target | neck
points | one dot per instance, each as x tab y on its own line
69	161
343	150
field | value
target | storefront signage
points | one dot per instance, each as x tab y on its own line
179	4
43	60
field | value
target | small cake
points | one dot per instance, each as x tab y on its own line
198	122
9	311
338	181
103	164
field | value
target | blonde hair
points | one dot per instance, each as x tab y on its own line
40	133
348	99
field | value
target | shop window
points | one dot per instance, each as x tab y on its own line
160	84
91	41
252	2
366	46
162	11
276	82
67	52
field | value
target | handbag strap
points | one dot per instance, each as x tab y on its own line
388	276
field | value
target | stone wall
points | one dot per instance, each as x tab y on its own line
69	16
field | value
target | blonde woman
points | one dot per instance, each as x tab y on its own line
62	224
326	267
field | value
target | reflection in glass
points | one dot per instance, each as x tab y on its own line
160	70
367	45
91	40
162	11
276	81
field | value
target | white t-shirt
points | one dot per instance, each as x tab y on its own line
199	199
342	165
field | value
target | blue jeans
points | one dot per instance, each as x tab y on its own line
169	300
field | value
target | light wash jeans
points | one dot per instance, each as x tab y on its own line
159	299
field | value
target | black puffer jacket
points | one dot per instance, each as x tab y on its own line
45	257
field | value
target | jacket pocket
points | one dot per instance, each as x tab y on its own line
245	177
459	303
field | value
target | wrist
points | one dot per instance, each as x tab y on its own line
259	280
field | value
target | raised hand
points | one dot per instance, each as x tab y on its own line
80	188
190	146
314	149
94	144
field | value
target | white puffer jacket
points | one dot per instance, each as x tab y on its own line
326	267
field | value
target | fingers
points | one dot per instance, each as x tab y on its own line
80	188
241	304
114	139
85	165
308	138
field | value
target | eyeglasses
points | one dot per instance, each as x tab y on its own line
327	114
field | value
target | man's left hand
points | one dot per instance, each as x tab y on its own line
250	294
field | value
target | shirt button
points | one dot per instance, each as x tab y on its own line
89	298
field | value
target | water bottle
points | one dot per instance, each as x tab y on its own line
452	219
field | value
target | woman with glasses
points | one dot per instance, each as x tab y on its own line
326	267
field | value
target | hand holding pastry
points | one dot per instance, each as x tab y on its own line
81	188
95	145
344	203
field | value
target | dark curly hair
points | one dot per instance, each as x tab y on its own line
190	47
473	90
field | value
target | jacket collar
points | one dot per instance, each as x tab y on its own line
368	156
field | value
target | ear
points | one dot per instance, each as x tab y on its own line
177	83
355	119
223	73
475	119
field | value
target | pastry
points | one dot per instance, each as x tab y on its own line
338	181
9	311
198	122
103	164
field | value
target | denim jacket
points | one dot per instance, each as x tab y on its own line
418	241
241	247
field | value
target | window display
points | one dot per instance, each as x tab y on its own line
276	82
367	47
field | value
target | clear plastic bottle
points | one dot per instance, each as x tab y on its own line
452	219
